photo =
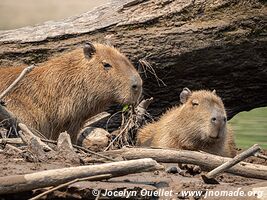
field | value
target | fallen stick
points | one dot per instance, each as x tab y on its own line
27	135
120	133
209	177
259	155
206	161
22	74
11	141
141	109
91	178
10	147
96	118
19	183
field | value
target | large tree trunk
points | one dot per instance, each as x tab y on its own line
215	44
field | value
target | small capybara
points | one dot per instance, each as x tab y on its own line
198	124
63	92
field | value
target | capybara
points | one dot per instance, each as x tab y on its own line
199	123
63	92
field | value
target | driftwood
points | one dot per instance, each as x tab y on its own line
26	135
11	141
65	149
91	178
9	147
141	109
209	177
204	160
35	151
194	42
18	183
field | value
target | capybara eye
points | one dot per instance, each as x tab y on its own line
195	102
106	65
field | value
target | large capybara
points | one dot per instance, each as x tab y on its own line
60	94
200	123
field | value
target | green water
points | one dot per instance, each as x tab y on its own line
250	128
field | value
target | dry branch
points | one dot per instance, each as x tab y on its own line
26	136
96	118
12	148
204	160
240	157
259	155
19	183
22	74
91	178
11	141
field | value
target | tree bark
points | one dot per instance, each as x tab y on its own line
199	44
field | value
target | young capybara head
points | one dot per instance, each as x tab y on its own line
115	72
204	111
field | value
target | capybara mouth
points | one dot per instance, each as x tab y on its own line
214	137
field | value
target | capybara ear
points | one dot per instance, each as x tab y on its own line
184	95
89	50
214	91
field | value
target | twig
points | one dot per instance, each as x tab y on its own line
8	146
141	109
112	142
240	157
28	134
147	67
96	118
91	178
11	141
22	74
259	155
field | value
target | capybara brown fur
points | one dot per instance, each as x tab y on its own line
63	92
199	123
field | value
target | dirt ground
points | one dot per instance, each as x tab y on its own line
183	185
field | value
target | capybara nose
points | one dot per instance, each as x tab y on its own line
218	120
136	84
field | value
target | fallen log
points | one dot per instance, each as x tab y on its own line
91	178
194	42
206	161
19	183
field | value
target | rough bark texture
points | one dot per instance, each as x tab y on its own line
215	44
